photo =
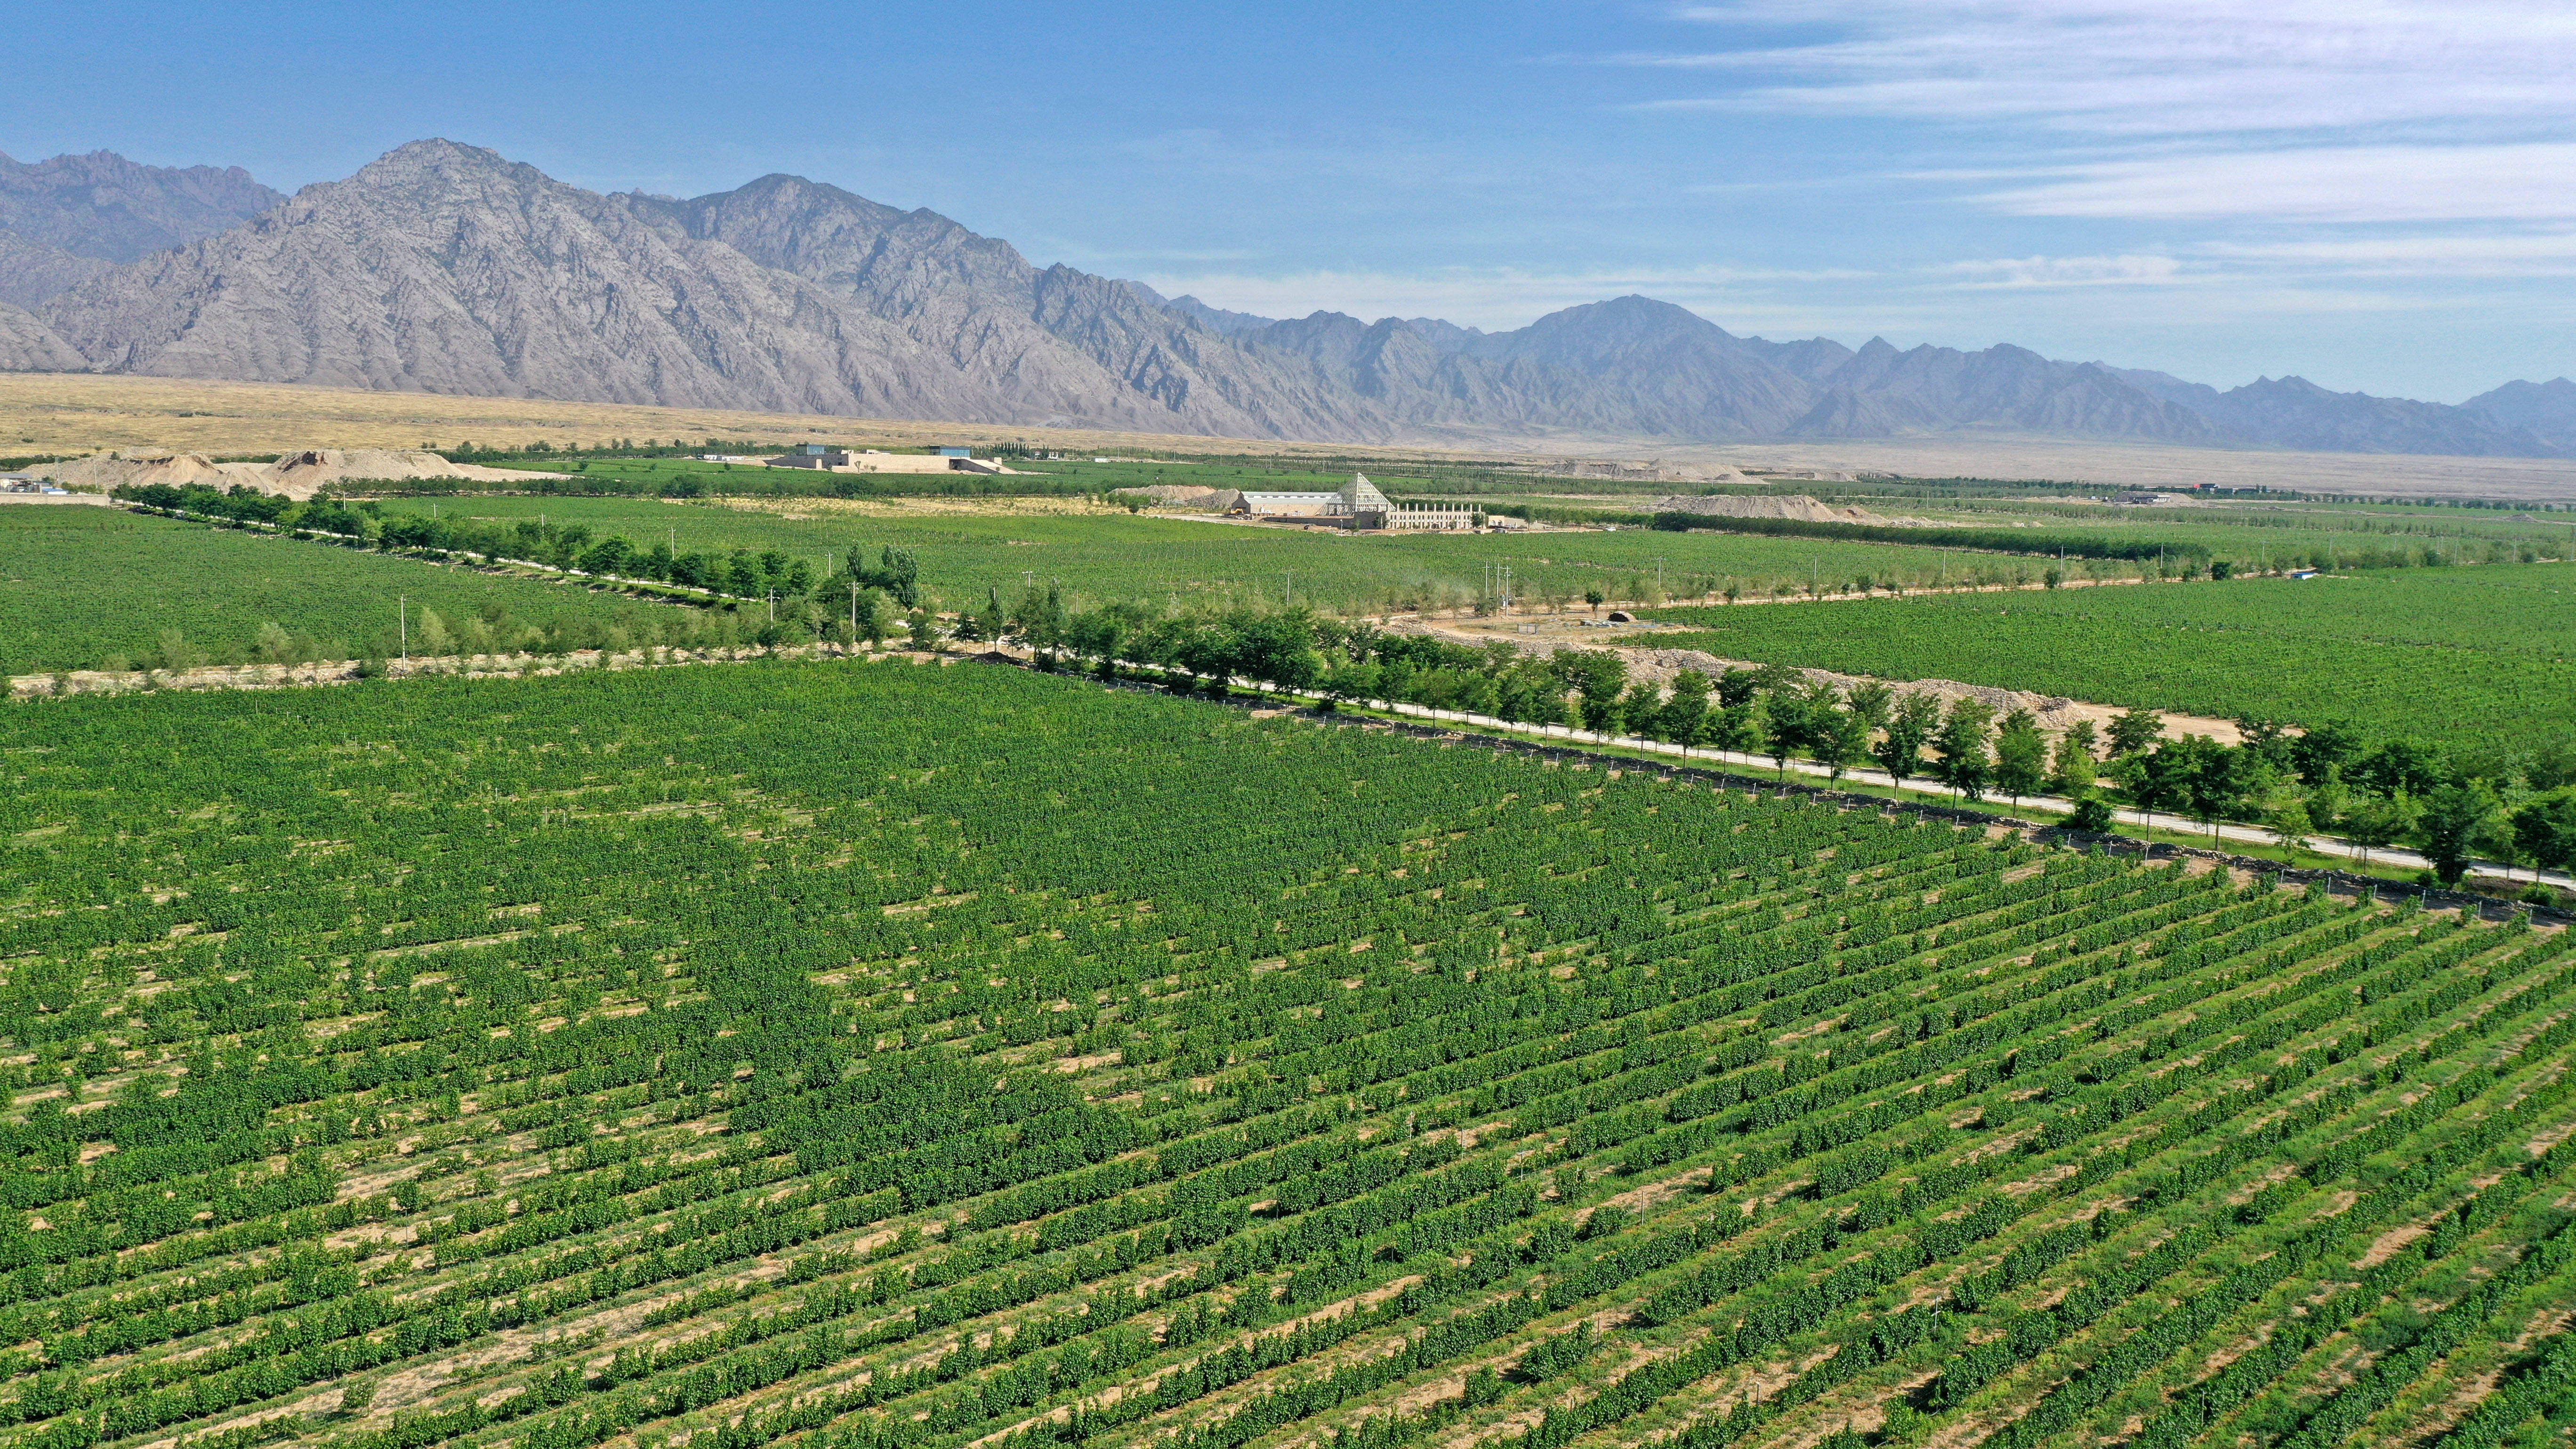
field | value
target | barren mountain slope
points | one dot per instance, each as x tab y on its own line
102	205
448	269
1680	373
1880	390
1079	345
28	345
2545	410
444	268
30	272
69	218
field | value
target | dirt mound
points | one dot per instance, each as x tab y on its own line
1186	496
106	470
2053	712
297	475
1786	505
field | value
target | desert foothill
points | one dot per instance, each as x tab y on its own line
1532	727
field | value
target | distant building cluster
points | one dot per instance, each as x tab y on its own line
1358	505
843	460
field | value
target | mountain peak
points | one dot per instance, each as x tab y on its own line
447	267
2546	411
70	218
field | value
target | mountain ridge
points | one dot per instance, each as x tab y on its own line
67	219
443	267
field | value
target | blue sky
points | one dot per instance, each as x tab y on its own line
2374	194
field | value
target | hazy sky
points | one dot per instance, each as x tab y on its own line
2374	194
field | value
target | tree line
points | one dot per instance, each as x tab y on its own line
571	547
2294	782
2188	559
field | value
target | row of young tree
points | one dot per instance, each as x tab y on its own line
2295	783
770	575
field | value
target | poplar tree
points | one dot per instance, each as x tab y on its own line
2021	757
1839	737
2074	769
2135	732
1909	729
1961	758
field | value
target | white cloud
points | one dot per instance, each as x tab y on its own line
2154	67
2304	112
2539	254
2528	181
2129	270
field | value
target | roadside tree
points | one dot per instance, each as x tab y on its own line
2021	757
1909	729
1839	738
2136	732
1960	748
2458	821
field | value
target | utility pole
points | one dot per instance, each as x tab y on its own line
773	606
1659	576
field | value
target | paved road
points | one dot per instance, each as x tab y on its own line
2324	845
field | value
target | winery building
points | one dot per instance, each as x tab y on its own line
1358	504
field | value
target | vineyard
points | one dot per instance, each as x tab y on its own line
80	587
2477	655
1112	556
889	1056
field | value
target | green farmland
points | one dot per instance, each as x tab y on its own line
81	587
1113	555
887	1056
2484	655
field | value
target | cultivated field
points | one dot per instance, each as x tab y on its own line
1109	554
888	1055
80	587
2464	654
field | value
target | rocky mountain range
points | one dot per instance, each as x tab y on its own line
71	218
448	268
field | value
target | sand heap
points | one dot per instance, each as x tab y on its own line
1187	497
297	475
178	470
1650	665
2054	712
1755	505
